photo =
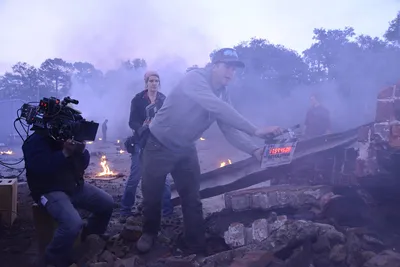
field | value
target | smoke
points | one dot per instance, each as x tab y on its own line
108	33
172	35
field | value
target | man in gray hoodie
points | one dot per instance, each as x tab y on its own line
193	105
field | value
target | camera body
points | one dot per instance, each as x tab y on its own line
60	120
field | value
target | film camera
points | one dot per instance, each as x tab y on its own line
60	120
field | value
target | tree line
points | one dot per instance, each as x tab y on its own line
357	64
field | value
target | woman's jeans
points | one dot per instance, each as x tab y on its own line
128	198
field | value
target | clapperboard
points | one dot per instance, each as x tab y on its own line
280	152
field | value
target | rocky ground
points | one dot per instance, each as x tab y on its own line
298	226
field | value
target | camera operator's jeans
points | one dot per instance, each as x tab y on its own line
63	209
128	198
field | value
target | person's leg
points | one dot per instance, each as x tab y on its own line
167	207
186	177
96	201
60	208
157	162
128	198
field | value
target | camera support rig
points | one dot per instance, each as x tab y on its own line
60	120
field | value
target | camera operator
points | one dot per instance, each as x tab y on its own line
138	121
54	171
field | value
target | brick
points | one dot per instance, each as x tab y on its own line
397	90
259	230
236	235
384	110
386	93
364	134
260	201
382	130
238	202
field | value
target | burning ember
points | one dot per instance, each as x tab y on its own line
106	169
202	139
8	152
224	163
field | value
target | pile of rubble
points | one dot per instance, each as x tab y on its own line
272	226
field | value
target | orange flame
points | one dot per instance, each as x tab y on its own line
224	163
106	169
8	152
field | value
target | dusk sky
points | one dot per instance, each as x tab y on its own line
104	32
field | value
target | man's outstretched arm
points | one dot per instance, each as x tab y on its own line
195	86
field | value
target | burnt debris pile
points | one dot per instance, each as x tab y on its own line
271	226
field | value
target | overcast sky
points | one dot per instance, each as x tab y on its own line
104	32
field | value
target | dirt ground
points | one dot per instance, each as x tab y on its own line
18	245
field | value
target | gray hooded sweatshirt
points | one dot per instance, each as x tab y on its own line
190	109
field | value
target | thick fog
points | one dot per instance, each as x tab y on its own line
174	35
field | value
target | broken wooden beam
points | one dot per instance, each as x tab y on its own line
248	172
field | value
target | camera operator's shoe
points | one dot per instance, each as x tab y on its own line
145	242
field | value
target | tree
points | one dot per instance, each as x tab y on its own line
57	76
24	82
84	72
392	34
270	67
137	63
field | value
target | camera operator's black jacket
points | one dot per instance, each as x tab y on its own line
138	110
48	170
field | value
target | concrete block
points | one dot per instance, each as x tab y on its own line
236	235
259	230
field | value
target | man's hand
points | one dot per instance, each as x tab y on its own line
262	132
147	122
80	147
258	153
69	148
72	147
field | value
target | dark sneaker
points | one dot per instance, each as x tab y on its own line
145	243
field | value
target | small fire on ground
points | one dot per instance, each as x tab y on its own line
8	152
106	169
224	163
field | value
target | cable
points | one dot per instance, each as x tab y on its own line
11	166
